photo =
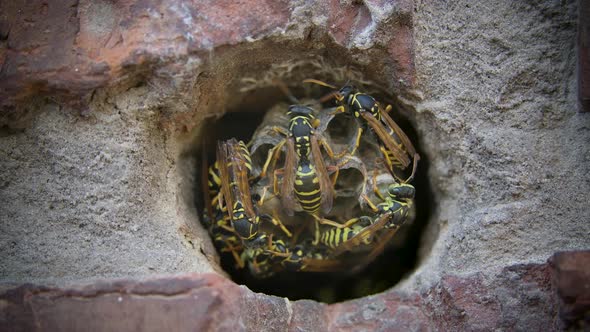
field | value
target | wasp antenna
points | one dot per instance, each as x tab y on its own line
322	83
329	96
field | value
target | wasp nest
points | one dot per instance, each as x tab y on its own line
318	189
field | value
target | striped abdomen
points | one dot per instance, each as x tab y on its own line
307	187
336	236
246	155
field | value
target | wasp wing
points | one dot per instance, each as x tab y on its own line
386	138
362	236
287	189
239	175
405	141
224	172
381	243
323	264
326	188
400	133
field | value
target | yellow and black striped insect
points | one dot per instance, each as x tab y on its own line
305	175
396	147
212	179
216	218
391	214
234	170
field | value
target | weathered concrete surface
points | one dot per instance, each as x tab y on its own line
583	49
508	150
519	298
99	100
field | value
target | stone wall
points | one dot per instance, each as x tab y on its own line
102	103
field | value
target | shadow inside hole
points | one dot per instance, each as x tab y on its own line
383	273
339	127
349	182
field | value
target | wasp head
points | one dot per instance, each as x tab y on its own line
300	110
345	92
402	190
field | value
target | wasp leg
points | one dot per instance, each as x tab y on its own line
280	130
238	259
386	156
228	228
327	147
414	167
330	152
375	188
263	196
329	222
371	205
336	171
279	224
327	97
357	142
234	252
215	200
275	180
220	201
388	109
339	109
272	156
265	192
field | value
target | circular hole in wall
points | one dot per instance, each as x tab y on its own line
397	261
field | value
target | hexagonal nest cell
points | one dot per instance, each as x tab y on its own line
358	235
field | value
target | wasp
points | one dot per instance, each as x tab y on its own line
374	233
216	218
396	147
390	215
305	175
234	171
211	176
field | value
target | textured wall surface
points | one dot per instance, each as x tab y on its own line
101	102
